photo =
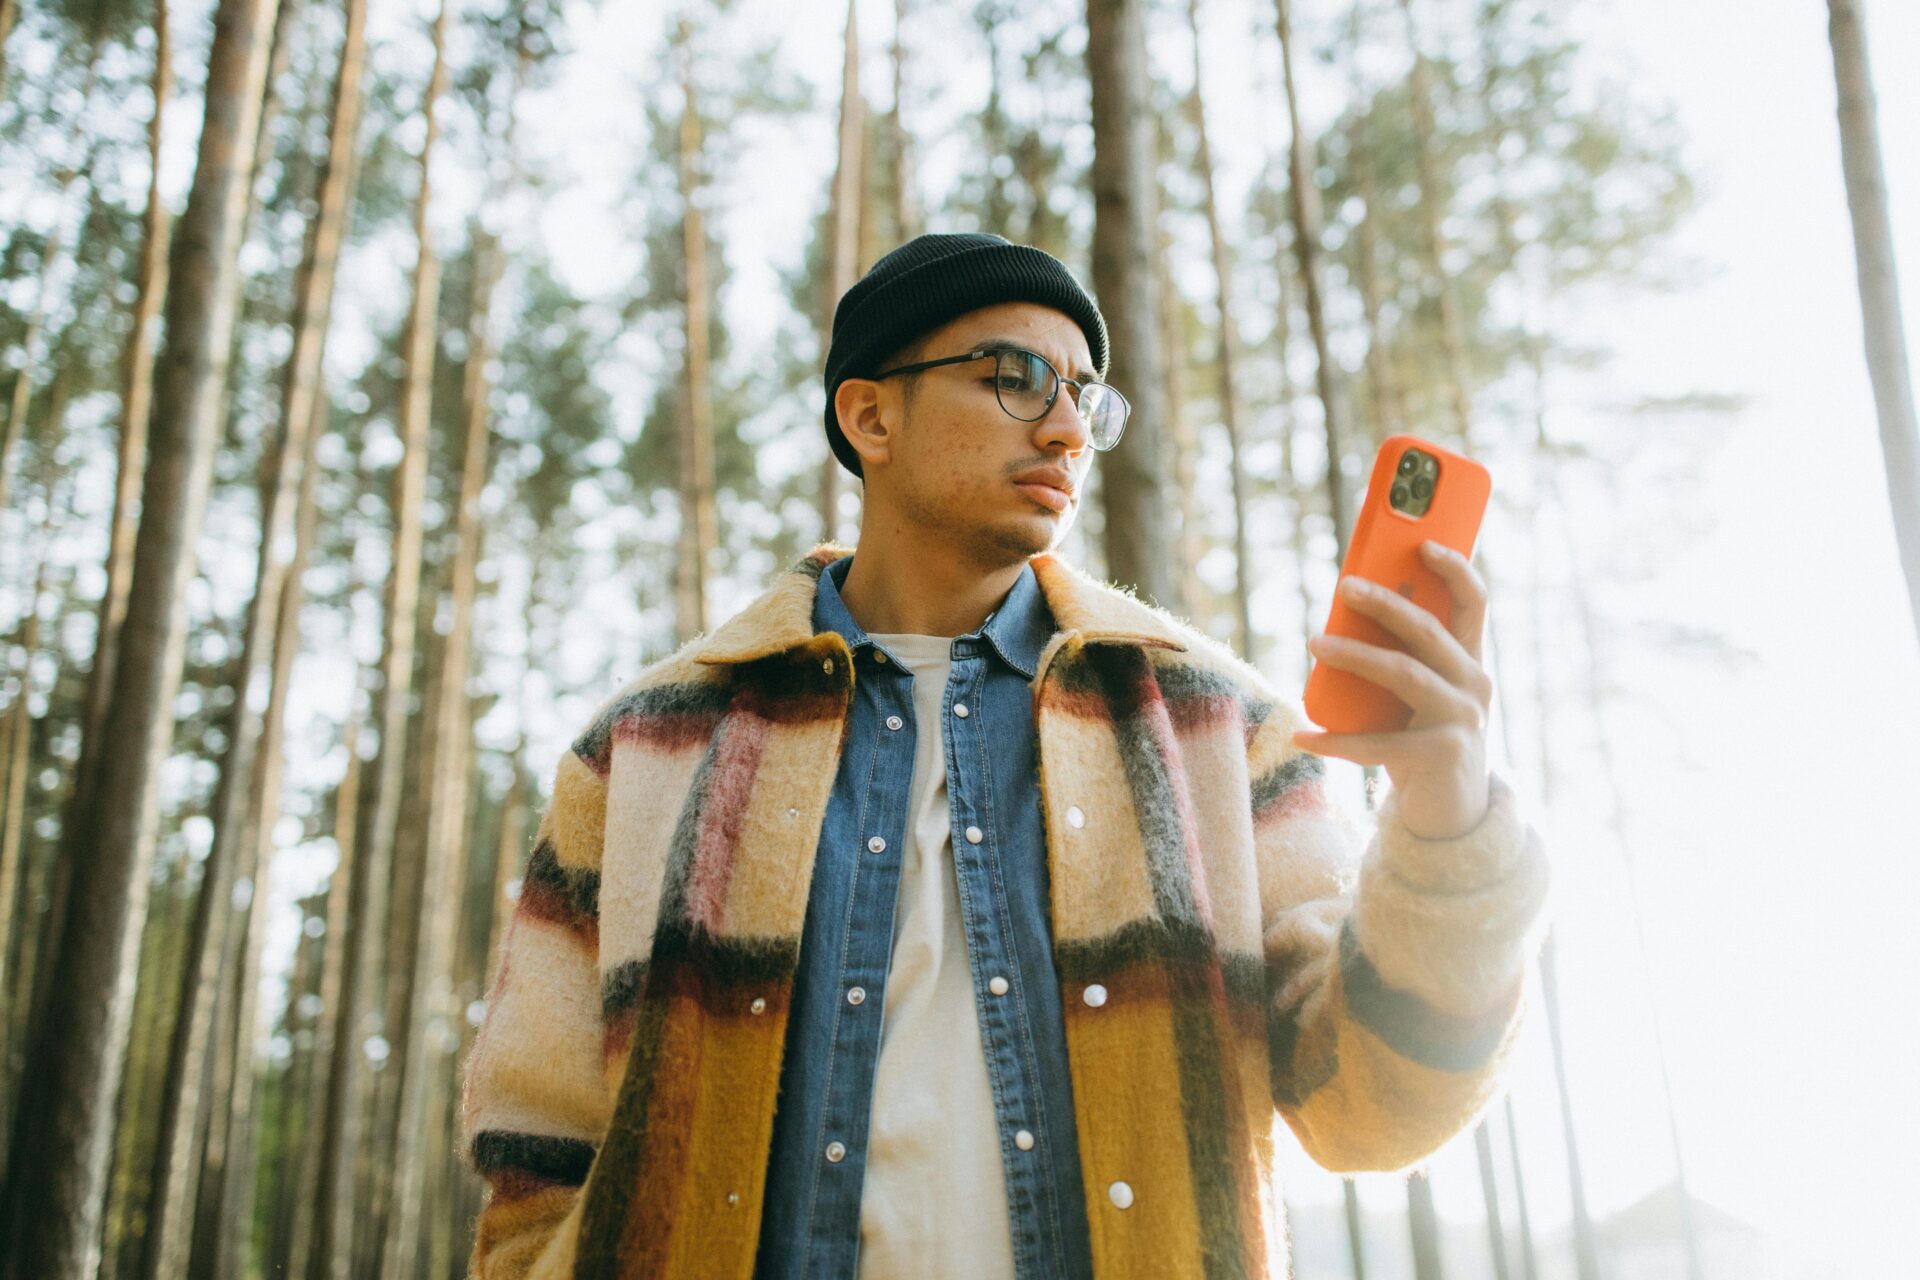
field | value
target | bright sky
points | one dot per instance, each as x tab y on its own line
1762	799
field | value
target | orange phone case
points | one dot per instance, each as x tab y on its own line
1385	549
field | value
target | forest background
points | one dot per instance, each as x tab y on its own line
1605	248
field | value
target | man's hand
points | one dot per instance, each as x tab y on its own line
1438	763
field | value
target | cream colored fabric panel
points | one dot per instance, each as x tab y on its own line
646	788
535	1066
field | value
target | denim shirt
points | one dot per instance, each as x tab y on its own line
810	1223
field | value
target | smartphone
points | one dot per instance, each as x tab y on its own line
1417	491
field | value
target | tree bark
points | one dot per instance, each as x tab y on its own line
697	533
1125	249
1229	352
1433	202
906	210
1881	317
379	808
422	1091
61	1136
844	221
1304	203
234	855
136	397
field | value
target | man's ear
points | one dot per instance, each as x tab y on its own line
856	403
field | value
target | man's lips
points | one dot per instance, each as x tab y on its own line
1051	495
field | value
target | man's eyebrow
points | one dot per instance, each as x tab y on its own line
986	344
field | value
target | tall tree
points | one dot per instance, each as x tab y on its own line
233	856
696	538
1304	201
424	1076
849	183
61	1134
1880	312
1125	249
1227	338
379	807
136	398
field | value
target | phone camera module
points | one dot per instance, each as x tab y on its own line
1415	476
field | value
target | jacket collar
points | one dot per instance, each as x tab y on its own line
782	617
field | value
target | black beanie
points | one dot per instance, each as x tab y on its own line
928	281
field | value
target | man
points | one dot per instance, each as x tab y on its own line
949	913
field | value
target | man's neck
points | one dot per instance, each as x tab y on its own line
893	588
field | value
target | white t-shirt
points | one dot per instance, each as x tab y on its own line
934	1202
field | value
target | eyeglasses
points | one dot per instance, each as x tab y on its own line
1027	385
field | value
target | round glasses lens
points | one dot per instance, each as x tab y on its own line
1104	413
1025	384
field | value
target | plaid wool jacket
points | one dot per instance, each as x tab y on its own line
1233	953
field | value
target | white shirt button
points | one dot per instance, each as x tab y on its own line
1075	818
1095	995
894	722
1120	1193
960	709
997	985
856	994
975	835
793	813
876	844
733	1197
837	1151
1023	1140
759	1004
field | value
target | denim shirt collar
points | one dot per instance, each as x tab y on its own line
1018	630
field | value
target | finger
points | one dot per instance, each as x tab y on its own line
1423	634
1469	593
1389	749
1432	698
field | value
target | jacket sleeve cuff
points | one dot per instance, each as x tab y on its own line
1454	920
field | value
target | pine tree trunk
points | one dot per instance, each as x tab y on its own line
1433	201
844	228
1133	492
1389	406
1490	1195
314	1178
1529	1260
15	742
1192	598
1229	353
1423	1226
61	1136
136	398
697	533
9	12
425	1075
1880	313
1304	203
234	855
237	1186
1356	1229
379	808
906	210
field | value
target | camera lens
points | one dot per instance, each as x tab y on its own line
1422	486
1407	464
1399	495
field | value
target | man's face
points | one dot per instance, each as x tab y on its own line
944	455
